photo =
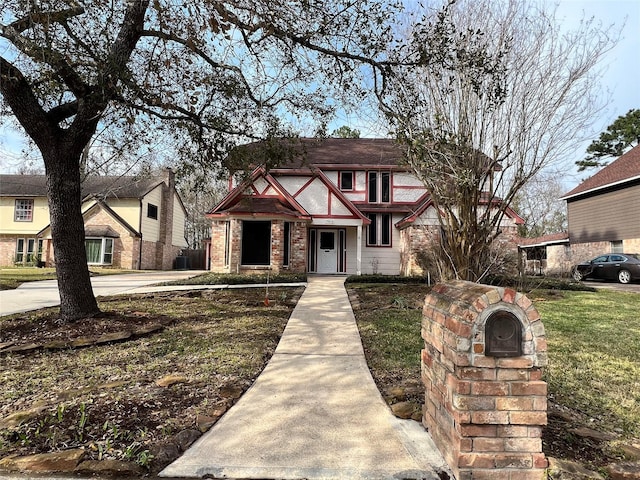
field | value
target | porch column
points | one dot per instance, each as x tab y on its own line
359	251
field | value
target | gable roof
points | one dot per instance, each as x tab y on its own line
239	203
89	212
101	187
623	170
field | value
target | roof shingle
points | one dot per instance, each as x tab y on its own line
102	187
624	168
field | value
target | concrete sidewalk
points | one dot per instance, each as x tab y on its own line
314	412
35	295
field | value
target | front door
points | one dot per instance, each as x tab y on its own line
327	251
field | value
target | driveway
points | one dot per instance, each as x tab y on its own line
36	295
618	287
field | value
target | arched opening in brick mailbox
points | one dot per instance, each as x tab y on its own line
503	335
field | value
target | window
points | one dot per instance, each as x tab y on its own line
23	211
616	246
20	250
256	243
346	181
373	187
31	244
227	242
379	231
99	251
152	211
287	244
379	184
312	250
327	241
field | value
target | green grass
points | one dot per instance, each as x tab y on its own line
11	278
389	320
593	346
594	355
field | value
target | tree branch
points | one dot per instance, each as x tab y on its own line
35	18
20	97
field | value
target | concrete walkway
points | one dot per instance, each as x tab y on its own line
35	295
314	412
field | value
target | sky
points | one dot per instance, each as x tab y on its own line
622	71
620	78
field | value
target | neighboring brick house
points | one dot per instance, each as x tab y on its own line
342	206
546	255
130	223
603	215
603	212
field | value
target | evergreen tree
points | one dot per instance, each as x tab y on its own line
622	134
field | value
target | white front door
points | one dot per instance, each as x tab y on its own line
327	251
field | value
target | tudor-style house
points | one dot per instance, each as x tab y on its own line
345	206
130	223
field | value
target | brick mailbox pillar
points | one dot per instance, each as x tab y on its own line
485	401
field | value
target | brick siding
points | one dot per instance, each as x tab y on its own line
485	413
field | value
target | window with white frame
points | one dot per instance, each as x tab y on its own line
20	250
379	187
379	230
26	250
23	210
99	251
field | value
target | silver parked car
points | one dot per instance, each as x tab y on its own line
623	267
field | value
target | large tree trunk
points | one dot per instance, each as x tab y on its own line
67	230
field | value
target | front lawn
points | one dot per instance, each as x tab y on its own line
190	356
594	360
594	348
13	277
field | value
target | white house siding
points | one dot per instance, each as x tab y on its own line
401	179
151	228
177	235
293	184
260	185
352	239
315	198
332	175
406	195
382	260
338	208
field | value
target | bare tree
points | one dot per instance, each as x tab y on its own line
539	204
208	74
509	95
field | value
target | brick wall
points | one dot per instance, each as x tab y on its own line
297	249
8	250
484	413
218	235
123	246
